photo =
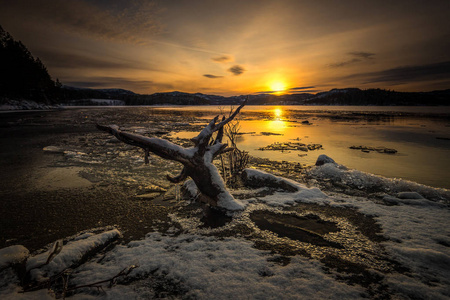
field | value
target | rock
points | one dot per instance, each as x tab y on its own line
306	122
390	151
323	159
367	149
53	149
270	133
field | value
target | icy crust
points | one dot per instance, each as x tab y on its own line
13	255
71	254
204	267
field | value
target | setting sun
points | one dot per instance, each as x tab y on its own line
277	87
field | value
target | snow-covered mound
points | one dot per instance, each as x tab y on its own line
340	175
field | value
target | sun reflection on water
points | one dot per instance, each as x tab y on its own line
277	123
278	112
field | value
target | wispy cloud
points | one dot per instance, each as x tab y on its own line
436	71
130	23
236	70
357	56
362	55
302	88
58	59
212	76
120	82
223	59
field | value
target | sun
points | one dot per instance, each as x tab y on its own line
277	87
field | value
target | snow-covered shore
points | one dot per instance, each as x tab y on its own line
16	105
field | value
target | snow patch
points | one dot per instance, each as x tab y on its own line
205	267
13	255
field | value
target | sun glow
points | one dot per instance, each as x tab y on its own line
277	87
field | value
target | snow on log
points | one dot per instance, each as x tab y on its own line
71	254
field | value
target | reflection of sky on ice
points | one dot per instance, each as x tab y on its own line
421	156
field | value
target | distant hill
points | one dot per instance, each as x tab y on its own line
354	96
350	96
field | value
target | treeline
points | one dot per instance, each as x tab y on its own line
21	75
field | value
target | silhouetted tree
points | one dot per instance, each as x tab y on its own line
22	75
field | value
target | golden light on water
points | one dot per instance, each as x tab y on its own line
276	125
278	112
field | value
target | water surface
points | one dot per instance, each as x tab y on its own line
421	135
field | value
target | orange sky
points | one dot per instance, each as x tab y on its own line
237	47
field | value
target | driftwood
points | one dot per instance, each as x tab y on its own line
197	161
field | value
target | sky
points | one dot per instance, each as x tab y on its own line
237	47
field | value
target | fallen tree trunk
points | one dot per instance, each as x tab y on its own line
197	161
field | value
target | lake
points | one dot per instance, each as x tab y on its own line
421	136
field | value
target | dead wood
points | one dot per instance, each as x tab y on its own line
197	161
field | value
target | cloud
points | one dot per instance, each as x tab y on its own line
142	86
344	63
236	70
212	76
358	56
302	88
111	21
289	91
436	71
362	55
223	59
57	59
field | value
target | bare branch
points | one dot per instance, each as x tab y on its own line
230	118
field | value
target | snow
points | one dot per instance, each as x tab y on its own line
225	199
301	192
71	254
194	264
13	255
214	268
364	181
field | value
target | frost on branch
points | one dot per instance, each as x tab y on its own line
197	161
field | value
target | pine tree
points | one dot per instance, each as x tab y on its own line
21	75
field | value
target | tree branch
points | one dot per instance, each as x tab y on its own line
230	118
